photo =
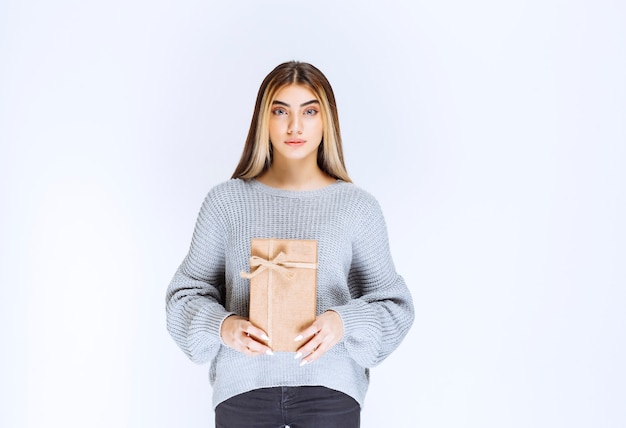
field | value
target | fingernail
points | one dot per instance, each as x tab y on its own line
303	362
298	355
269	352
264	337
298	337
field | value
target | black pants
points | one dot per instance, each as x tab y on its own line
292	407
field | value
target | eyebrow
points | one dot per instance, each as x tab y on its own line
282	103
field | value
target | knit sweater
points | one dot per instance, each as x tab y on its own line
356	278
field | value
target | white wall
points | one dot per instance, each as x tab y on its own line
493	134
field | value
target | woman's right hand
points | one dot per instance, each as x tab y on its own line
239	333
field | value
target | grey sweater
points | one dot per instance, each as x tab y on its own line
356	278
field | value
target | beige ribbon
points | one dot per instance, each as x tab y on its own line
277	264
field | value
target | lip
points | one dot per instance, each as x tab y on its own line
294	142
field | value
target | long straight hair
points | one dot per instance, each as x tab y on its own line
257	152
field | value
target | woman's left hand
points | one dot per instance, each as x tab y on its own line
327	331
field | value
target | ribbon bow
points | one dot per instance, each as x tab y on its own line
278	264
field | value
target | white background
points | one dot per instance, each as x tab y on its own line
493	134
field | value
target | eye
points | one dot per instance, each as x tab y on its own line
311	112
279	111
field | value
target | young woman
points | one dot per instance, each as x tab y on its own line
291	183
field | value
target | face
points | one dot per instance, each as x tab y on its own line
295	126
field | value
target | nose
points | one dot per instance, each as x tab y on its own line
295	125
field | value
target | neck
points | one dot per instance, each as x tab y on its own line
295	176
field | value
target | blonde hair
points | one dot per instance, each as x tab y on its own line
257	152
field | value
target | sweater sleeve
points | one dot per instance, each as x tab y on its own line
194	301
381	311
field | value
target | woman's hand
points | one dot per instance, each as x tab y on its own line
239	333
327	331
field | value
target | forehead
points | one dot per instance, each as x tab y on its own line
296	93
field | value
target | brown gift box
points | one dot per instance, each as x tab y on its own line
283	286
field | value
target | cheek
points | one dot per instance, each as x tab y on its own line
319	128
274	128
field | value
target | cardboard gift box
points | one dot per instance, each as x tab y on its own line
283	289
